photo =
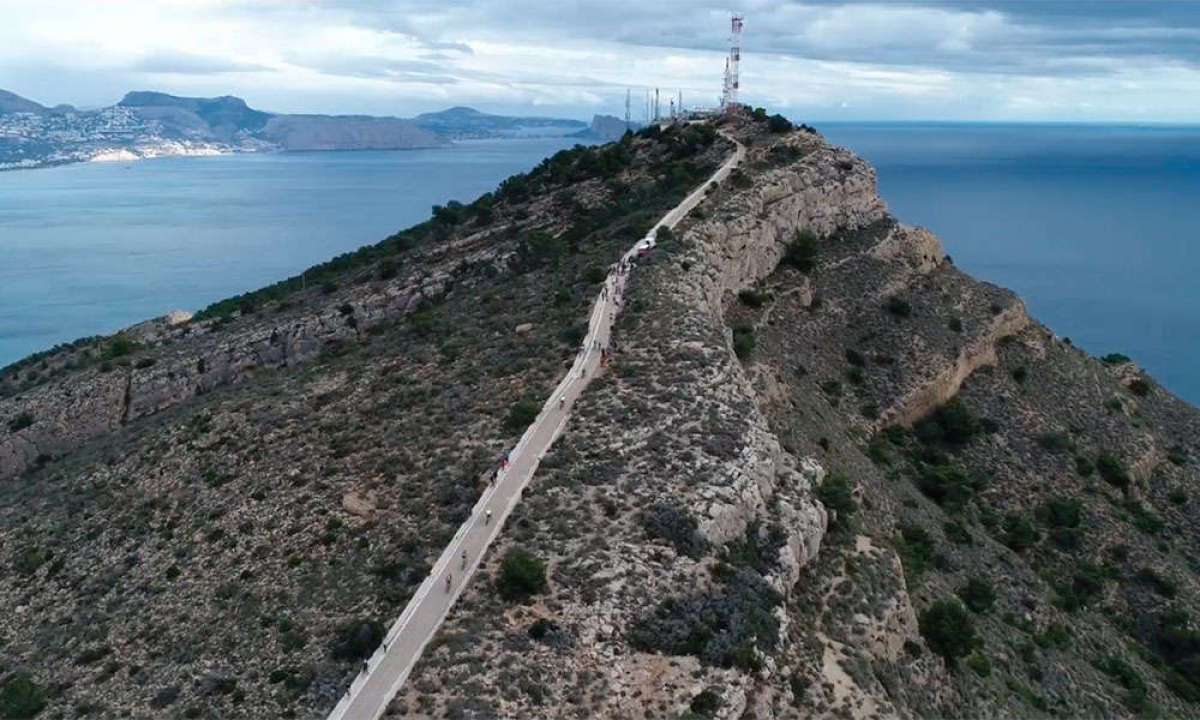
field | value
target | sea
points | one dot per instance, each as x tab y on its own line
1095	226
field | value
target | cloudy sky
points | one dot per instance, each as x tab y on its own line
818	60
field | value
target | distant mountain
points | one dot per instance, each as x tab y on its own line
224	116
465	122
606	128
13	103
347	132
152	124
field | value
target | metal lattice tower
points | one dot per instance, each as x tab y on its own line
627	94
729	94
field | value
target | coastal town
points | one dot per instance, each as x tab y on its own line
67	135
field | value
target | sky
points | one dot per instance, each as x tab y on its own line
824	60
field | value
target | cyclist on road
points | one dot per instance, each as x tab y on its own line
464	559
488	517
449	579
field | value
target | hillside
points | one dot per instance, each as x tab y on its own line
215	518
825	474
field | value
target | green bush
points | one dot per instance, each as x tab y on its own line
948	630
754	298
1139	387
706	703
948	485
978	595
521	576
779	124
20	422
801	252
1112	471
955	325
357	640
915	547
743	341
980	664
898	307
952	424
837	494
522	415
1019	533
21	698
1054	442
1115	359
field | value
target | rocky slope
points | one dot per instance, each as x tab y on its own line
829	475
215	518
825	474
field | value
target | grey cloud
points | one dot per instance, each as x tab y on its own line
167	62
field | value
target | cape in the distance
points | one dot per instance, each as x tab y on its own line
153	124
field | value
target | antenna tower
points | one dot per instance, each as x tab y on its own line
729	94
627	93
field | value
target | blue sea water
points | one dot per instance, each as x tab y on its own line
92	248
1096	227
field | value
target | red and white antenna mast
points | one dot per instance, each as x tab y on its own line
729	94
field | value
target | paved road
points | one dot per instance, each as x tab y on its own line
389	667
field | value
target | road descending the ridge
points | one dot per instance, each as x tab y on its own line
385	672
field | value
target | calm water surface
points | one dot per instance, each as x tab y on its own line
1096	227
92	248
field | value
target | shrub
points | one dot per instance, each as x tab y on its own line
955	325
706	703
1056	635
801	252
725	626
855	358
1020	374
978	595
20	422
980	664
1112	471
948	630
1084	466
677	527
837	494
522	415
1115	359
957	533
753	298
952	424
357	639
1019	533
915	548
1161	585
1061	512
21	697
743	341
779	124
898	307
1139	387
1121	671
855	375
1054	442
947	485
521	576
1086	584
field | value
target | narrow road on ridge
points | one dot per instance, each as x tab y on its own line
386	670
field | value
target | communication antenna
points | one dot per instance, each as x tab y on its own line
729	94
656	105
627	92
